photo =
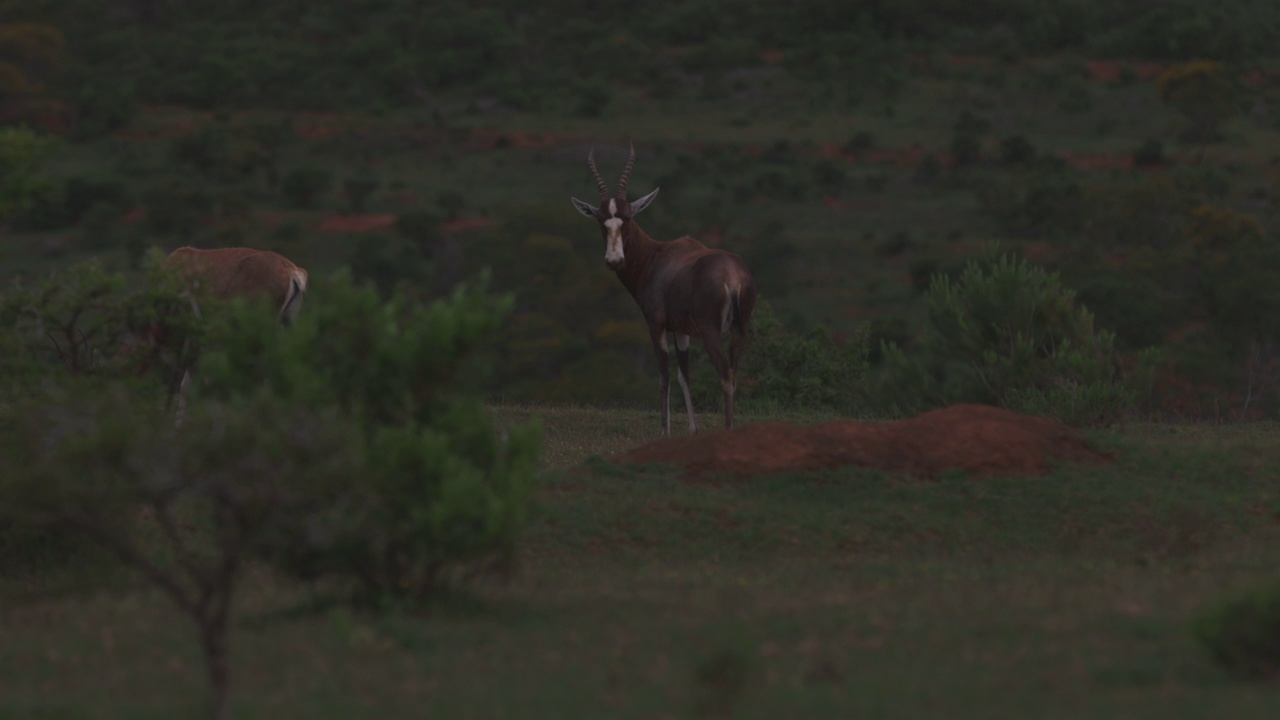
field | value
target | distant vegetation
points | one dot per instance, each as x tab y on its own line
562	56
857	154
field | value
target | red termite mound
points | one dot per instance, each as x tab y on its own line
978	439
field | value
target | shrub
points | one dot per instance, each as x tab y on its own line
861	142
204	151
352	448
176	210
1242	633
1009	334
966	138
593	97
102	105
439	490
452	202
828	173
1042	203
358	190
386	261
100	227
1203	93
1016	150
87	322
302	185
1076	98
421	227
772	253
80	194
894	245
929	169
1149	154
61	322
784	367
1140	309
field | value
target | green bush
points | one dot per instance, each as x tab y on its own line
87	322
784	367
302	186
452	202
1242	633
421	227
928	170
1149	154
21	152
1016	150
1010	334
102	104
966	138
352	447
205	151
100	227
439	491
861	142
828	173
1041	203
176	210
81	194
358	190
387	260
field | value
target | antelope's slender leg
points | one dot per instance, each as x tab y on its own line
711	340
182	397
664	382
682	367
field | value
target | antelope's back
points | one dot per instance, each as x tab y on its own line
226	273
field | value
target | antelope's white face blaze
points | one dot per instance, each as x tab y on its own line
614	213
613	254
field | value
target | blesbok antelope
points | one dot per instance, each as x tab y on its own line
684	289
228	273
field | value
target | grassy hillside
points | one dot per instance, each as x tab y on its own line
848	152
638	595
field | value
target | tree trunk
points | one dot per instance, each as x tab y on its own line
213	639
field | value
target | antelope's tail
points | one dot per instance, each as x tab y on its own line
293	300
733	311
736	313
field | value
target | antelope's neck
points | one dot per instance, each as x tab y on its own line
639	250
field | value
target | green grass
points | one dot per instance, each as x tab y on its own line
410	153
840	594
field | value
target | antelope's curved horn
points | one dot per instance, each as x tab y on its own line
626	171
591	163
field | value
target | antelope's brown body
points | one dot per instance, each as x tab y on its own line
226	273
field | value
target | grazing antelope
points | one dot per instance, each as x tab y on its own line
228	273
684	289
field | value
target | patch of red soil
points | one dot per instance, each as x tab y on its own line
487	139
1036	252
978	439
134	216
1097	161
1146	70
464	224
356	223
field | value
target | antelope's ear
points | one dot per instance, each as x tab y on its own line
643	202
584	208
